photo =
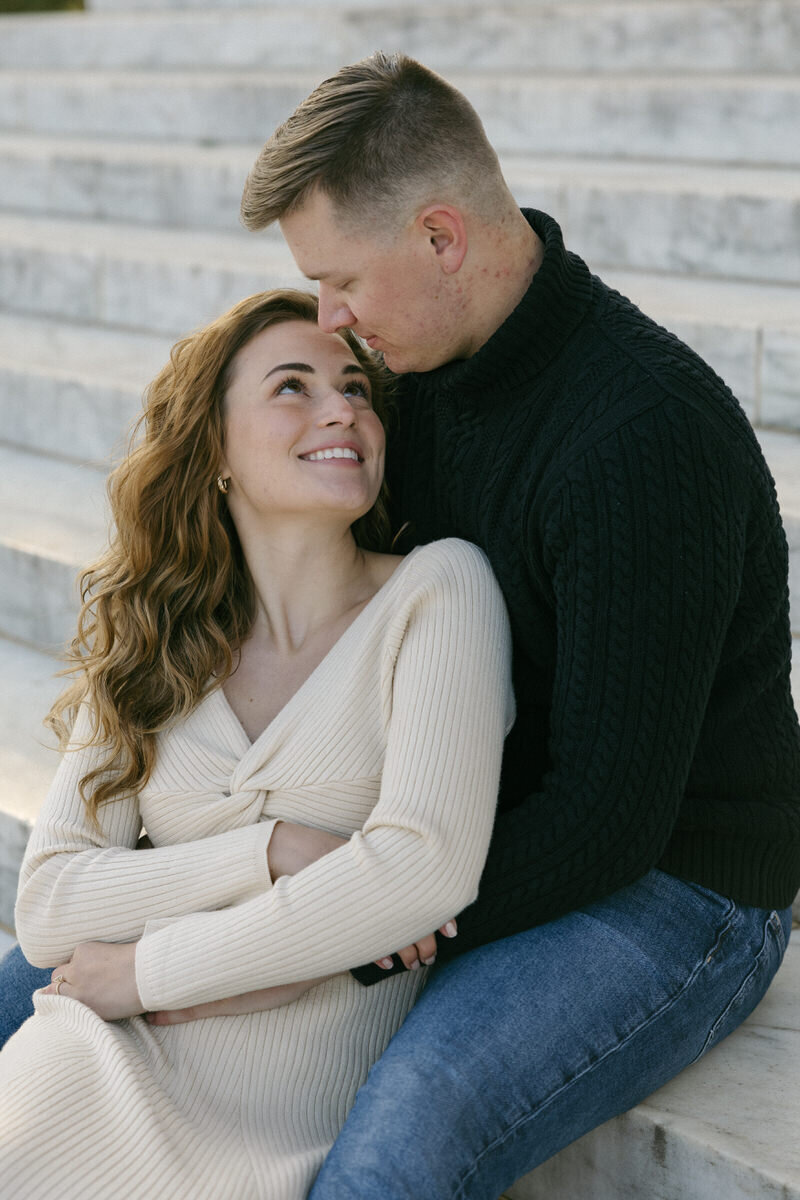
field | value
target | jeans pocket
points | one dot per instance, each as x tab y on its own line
756	979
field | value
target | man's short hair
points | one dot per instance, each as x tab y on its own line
381	138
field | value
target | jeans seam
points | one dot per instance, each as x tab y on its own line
659	1012
773	926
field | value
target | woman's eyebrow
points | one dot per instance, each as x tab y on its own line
348	369
290	367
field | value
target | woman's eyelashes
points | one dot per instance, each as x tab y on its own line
292	385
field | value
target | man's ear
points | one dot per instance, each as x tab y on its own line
445	229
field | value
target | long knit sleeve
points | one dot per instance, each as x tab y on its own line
446	700
78	884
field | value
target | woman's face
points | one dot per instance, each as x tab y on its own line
301	436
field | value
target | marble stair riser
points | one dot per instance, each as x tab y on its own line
699	36
119	290
67	415
722	120
38	597
703	228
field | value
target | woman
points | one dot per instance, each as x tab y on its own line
254	684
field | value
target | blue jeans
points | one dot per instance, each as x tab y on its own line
18	981
518	1048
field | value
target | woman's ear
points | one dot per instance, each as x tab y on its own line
445	229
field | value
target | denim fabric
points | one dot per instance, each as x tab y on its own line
518	1048
18	981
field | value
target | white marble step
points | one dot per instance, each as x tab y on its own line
73	391
683	35
723	118
162	281
166	282
725	1129
53	525
703	219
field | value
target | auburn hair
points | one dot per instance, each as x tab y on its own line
167	606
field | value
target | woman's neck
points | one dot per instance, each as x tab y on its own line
305	580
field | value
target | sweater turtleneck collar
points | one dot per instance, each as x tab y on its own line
555	302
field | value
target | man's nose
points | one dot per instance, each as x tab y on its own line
333	312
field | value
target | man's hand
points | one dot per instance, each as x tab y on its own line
421	952
101	975
259	1001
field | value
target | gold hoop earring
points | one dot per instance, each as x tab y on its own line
222	484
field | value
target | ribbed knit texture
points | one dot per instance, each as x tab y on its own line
396	738
624	503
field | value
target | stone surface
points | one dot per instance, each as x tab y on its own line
705	220
701	118
71	390
53	525
697	35
153	280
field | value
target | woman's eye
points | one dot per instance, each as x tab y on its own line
356	388
289	387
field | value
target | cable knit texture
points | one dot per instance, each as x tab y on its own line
396	739
626	508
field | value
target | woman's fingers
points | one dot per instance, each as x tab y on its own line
58	981
423	951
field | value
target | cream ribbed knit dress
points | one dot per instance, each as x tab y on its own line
394	739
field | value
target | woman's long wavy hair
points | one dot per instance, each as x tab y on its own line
166	608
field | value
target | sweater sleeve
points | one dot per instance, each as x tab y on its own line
419	856
79	884
642	544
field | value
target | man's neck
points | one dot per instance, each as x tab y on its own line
507	260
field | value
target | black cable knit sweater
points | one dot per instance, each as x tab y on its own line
622	498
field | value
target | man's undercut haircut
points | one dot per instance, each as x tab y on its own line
381	138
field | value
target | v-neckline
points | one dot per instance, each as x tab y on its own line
317	670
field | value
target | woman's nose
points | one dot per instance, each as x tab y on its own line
337	409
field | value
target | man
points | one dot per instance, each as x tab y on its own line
634	905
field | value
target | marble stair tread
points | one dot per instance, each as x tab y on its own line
156	280
55	508
73	391
698	35
725	1127
676	116
712	220
91	351
53	525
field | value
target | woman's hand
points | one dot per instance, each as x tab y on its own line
259	1001
421	952
101	975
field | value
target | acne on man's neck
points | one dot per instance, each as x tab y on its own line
513	268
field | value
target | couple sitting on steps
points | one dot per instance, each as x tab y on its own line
314	720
